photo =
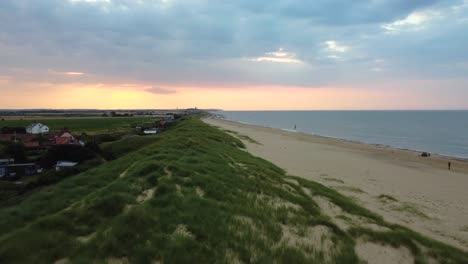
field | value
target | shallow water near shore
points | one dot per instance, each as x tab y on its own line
440	132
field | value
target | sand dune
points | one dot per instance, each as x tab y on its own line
420	193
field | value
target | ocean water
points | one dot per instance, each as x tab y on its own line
440	132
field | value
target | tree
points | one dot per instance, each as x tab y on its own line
16	151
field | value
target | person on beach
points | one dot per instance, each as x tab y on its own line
294	126
449	165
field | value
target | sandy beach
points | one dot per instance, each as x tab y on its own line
403	187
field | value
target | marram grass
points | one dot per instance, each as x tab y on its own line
194	196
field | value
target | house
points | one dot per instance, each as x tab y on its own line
150	131
4	166
8	168
64	165
23	169
65	137
3	171
6	161
37	128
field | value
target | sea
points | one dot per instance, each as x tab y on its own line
438	132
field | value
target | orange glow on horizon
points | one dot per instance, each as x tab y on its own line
138	96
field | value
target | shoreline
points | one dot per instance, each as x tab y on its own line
405	188
354	143
385	146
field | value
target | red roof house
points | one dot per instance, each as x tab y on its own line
65	137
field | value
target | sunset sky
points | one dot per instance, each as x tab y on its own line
234	55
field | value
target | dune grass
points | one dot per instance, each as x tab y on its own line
122	147
242	137
205	201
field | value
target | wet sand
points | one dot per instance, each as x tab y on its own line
405	188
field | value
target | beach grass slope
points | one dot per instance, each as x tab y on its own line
196	196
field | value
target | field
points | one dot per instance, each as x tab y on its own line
87	125
193	195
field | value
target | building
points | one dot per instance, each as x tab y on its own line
37	128
8	168
64	165
65	137
193	111
164	116
150	131
4	166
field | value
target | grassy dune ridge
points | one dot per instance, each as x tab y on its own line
196	196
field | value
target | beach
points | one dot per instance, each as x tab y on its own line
400	185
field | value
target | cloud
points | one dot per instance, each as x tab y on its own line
280	56
158	90
73	73
414	21
332	45
66	73
231	43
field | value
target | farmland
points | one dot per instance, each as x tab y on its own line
90	125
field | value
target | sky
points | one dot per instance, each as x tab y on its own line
234	55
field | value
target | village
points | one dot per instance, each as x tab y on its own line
35	150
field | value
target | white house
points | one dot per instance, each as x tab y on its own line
150	131
37	128
64	165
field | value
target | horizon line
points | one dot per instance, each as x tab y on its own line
218	109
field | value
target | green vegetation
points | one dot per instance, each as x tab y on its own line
411	209
85	125
124	146
194	196
243	137
402	206
350	189
3	149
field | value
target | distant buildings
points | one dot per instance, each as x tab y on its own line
193	111
37	128
38	135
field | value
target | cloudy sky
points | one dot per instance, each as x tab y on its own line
244	54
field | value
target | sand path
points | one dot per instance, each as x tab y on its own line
421	193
